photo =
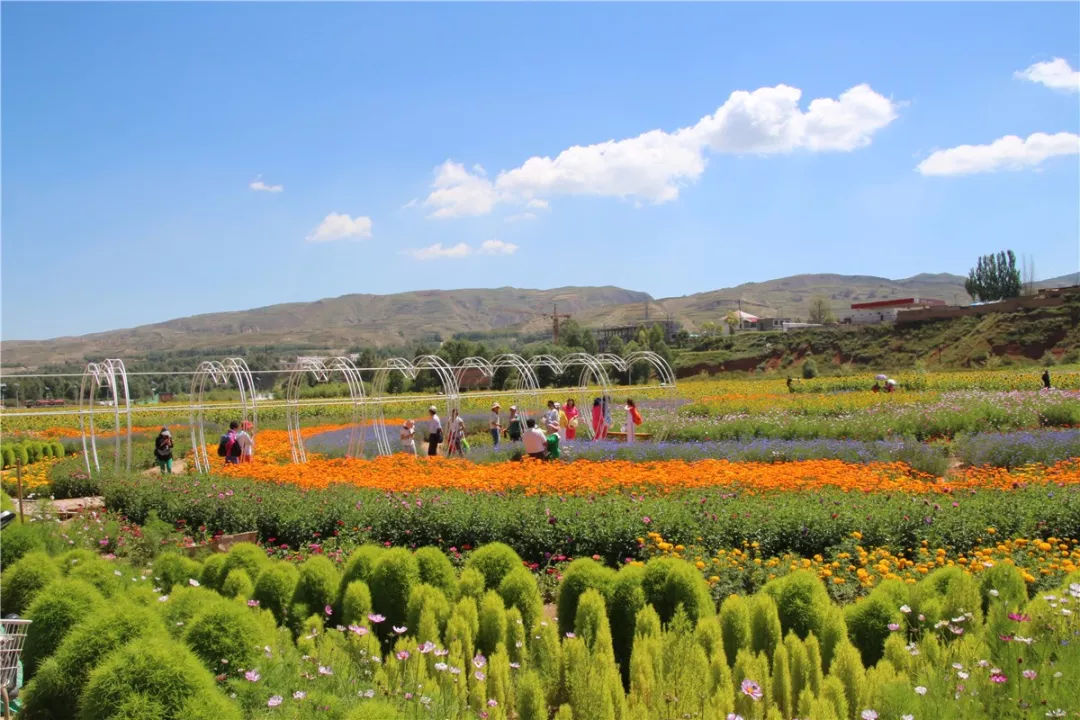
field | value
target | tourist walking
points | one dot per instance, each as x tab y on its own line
228	447
550	419
573	417
408	437
535	440
1046	379
495	424
246	442
435	432
633	419
163	447
599	425
455	443
513	425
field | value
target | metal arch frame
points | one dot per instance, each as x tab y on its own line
591	366
527	386
112	374
219	373
446	377
472	363
663	369
549	361
378	385
322	369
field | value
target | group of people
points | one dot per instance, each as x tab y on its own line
558	424
236	446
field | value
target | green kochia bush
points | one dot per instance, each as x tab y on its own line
424	598
175	569
355	603
317	587
801	602
580	575
275	587
670	583
23	580
237	584
224	631
734	626
626	600
867	623
392	579
518	589
160	670
494	561
54	612
436	569
59	681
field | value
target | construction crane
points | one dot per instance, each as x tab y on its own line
555	315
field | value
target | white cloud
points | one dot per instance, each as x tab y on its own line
537	204
520	217
436	251
458	192
337	226
259	186
1056	74
462	250
654	165
1006	153
497	247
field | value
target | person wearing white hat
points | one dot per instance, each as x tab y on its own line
408	430
495	424
435	433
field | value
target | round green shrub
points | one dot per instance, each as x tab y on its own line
55	611
318	585
72	559
580	575
183	604
436	569
20	539
355	603
9	456
275	587
159	668
518	589
493	561
245	556
734	626
58	683
867	625
224	630
377	710
591	623
671	582
99	572
426	597
492	623
360	563
1008	583
58	449
764	625
45	450
237	584
627	600
22	456
23	580
138	707
801	601
392	579
33	452
809	369
471	583
213	571
175	569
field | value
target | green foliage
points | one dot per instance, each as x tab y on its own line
392	579
213	571
355	603
58	607
492	620
531	704
801	602
867	623
245	556
20	539
436	569
360	563
765	631
494	561
1003	583
430	599
671	583
224	635
318	584
579	576
59	681
8	455
994	277
848	669
735	626
809	369
237	584
471	583
160	669
183	604
518	589
275	587
627	600
22	581
172	568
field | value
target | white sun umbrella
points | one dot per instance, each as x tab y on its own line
881	376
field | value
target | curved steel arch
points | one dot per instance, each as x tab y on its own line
527	386
591	368
219	373
111	374
446	376
322	369
472	363
378	385
548	361
663	369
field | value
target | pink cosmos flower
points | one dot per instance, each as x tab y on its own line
274	701
869	714
893	626
1029	674
426	647
479	676
493	702
751	689
998	678
400	630
376	618
328	610
1019	617
252	675
253	603
403	655
359	630
299	695
479	661
324	670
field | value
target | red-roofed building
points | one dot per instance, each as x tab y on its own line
881	311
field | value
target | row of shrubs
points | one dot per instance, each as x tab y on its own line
538	526
394	633
28	452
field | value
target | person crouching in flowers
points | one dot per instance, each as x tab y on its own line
408	433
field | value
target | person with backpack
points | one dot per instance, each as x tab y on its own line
163	447
229	446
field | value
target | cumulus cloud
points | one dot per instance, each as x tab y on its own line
462	250
259	186
338	226
1006	153
654	165
1056	74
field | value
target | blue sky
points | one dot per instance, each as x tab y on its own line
162	160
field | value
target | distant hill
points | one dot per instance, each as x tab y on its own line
335	324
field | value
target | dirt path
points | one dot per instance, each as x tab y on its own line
179	467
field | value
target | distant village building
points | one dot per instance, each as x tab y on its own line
884	311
